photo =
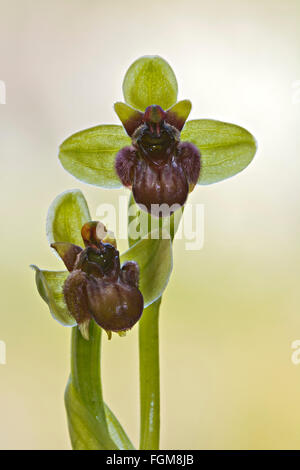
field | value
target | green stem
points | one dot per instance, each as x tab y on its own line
86	385
149	341
85	368
149	377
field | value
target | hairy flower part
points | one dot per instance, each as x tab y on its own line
159	168
98	287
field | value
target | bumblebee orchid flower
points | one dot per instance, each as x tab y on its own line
159	168
96	286
157	153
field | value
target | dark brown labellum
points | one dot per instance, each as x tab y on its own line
115	306
160	169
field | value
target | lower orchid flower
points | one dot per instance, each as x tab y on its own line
96	286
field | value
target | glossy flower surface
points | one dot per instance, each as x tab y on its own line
97	286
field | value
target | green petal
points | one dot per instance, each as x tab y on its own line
90	155
66	216
226	149
130	117
50	287
150	80
154	257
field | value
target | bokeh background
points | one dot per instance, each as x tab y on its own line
232	309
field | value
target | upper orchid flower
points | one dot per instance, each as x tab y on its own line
158	154
160	169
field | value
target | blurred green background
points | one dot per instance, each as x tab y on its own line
231	310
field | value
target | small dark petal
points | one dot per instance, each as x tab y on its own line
190	159
75	295
124	165
178	114
115	306
131	118
130	273
175	120
68	253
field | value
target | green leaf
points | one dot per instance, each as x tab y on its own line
90	155
150	80
116	431
50	287
66	216
86	431
149	377
226	149
154	257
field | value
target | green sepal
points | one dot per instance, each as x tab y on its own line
50	287
90	155
226	149
150	80
66	216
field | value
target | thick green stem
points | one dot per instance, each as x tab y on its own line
85	368
85	381
149	377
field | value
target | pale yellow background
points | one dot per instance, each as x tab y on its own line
232	309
